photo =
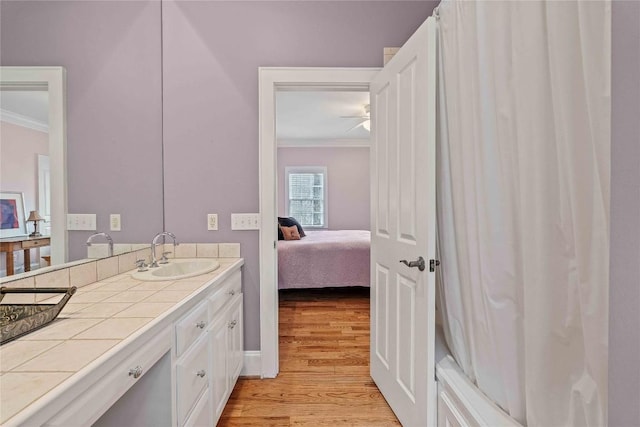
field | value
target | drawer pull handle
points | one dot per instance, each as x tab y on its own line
201	373
200	324
135	372
232	292
233	324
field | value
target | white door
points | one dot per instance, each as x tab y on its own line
403	100
44	193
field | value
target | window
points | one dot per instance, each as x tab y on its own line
306	192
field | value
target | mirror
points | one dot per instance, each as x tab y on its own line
113	111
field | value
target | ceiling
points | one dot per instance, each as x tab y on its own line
32	104
301	116
316	116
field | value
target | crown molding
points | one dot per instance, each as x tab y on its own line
323	143
24	121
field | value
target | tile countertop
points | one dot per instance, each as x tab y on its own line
97	318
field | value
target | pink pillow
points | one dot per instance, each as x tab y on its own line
290	233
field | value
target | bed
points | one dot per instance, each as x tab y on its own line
328	258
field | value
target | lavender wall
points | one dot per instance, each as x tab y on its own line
212	51
111	51
348	182
624	296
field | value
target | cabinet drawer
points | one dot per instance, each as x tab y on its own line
201	415
190	328
27	244
105	391
192	377
231	288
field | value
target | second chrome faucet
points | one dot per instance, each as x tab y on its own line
154	242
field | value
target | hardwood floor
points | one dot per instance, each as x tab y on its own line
324	367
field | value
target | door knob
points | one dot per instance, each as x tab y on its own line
417	263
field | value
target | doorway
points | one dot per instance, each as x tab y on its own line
53	81
273	80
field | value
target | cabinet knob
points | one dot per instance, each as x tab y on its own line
135	372
201	373
200	324
232	292
233	324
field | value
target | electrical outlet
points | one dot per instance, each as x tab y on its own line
114	222
245	221
212	222
81	222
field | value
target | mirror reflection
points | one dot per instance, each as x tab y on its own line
33	184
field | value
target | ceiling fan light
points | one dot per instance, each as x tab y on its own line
367	125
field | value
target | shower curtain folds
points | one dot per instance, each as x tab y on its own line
523	203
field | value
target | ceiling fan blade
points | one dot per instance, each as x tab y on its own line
358	125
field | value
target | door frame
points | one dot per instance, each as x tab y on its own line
53	80
272	79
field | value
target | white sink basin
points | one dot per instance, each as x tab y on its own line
178	269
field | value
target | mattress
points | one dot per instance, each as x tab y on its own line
328	258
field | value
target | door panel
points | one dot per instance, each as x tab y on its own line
381	101
403	211
381	340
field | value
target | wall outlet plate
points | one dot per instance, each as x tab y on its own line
114	222
212	222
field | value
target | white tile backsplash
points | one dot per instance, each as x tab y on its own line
207	250
186	250
107	267
28	282
126	262
84	274
54	279
229	250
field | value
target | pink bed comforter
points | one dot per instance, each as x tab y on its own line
329	258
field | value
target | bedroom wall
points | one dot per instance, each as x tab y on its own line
348	182
19	149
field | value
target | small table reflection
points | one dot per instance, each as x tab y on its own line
21	243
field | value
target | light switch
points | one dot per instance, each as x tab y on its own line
245	221
85	222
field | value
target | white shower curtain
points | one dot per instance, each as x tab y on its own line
523	203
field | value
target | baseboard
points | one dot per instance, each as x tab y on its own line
252	366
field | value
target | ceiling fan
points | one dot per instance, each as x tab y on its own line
364	119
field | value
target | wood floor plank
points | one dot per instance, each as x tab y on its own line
324	367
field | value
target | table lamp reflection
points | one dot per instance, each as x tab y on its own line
35	217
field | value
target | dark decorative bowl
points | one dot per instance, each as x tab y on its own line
17	320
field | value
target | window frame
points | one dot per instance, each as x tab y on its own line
325	193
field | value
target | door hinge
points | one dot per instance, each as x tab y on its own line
433	263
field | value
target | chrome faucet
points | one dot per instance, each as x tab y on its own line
106	236
154	242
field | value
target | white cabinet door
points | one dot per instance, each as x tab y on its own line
201	415
403	228
235	341
219	379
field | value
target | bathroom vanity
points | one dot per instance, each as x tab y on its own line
162	353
